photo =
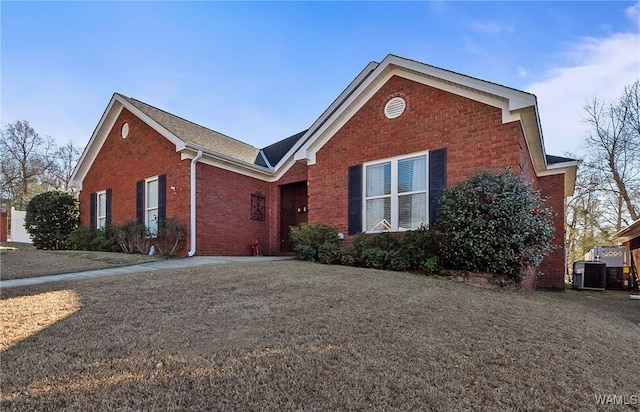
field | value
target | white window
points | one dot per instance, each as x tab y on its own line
151	205
101	208
395	195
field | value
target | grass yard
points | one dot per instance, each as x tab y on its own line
19	260
300	336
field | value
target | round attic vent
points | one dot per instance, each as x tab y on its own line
394	107
125	130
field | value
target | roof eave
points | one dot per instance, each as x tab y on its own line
630	232
569	169
99	135
217	156
512	101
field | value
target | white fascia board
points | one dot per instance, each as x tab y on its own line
372	84
178	142
562	165
91	150
517	99
337	103
225	162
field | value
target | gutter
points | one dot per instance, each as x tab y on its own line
192	230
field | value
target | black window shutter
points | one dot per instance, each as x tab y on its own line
162	199
93	200
108	207
355	199
437	182
140	202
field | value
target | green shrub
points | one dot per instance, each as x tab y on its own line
329	253
414	250
101	240
418	246
347	256
50	218
494	222
106	240
170	236
375	258
354	253
309	238
82	238
431	264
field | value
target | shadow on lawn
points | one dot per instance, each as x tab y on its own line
292	335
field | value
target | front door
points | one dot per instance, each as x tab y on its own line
293	211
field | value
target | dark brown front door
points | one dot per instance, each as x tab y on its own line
293	211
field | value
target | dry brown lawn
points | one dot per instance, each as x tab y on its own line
22	261
299	336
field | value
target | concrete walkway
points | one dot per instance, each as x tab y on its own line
195	261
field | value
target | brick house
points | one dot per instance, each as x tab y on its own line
375	160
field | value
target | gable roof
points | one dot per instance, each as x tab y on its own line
271	162
515	104
191	132
188	138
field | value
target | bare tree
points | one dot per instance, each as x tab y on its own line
25	157
585	227
59	174
614	155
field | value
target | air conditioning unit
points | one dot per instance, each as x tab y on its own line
618	262
589	275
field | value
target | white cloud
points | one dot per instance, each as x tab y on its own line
594	67
633	12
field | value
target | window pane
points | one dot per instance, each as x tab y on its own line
412	174
412	211
152	221
102	204
379	214
152	194
379	180
102	222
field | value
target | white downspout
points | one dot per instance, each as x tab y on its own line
193	203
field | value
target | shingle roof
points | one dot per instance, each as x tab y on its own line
276	151
551	159
193	133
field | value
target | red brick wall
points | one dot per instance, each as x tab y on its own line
122	162
551	275
223	215
472	132
4	228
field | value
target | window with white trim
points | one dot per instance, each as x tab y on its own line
101	209
395	193
151	205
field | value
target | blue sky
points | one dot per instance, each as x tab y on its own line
262	71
